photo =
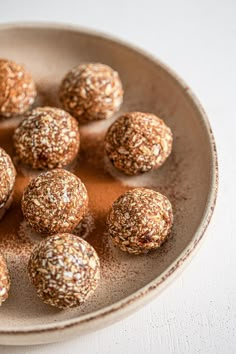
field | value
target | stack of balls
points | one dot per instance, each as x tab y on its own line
65	269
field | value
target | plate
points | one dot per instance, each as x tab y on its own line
188	178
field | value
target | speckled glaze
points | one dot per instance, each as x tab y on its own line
188	178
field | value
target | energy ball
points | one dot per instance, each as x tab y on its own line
4	280
17	89
55	201
65	270
7	181
48	138
140	220
91	92
138	142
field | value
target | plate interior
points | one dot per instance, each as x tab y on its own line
185	178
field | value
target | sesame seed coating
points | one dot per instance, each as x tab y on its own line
55	201
48	138
17	89
140	220
138	142
4	280
7	177
91	92
65	270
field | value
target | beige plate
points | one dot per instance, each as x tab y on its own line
188	178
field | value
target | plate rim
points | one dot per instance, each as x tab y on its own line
129	304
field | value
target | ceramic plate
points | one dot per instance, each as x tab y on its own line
188	178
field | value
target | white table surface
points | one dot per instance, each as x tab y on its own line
197	38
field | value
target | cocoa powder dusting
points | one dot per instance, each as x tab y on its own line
17	239
102	190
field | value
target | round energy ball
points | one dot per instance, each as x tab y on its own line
17	89
55	201
65	270
48	138
91	92
7	181
138	142
140	220
4	280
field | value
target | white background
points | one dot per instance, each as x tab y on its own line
197	38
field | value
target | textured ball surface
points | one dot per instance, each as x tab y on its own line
48	138
4	280
54	202
91	92
140	220
138	142
17	89
7	178
65	270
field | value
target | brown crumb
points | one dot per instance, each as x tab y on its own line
4	280
17	89
91	92
48	138
140	220
7	179
65	270
55	201
138	142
